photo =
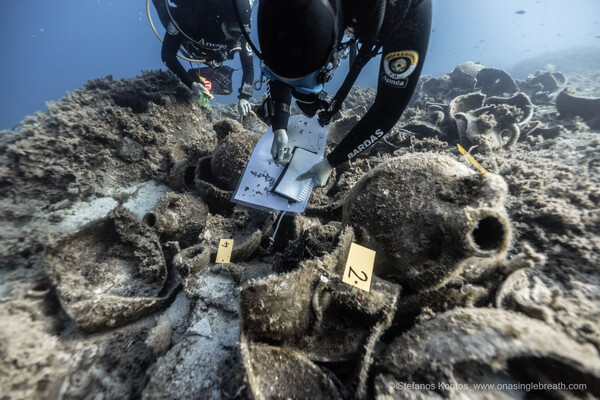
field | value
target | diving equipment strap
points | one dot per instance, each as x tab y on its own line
244	32
367	51
336	104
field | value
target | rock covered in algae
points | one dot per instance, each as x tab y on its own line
424	214
467	346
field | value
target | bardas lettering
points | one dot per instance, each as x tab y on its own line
367	143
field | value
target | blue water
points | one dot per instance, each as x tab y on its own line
51	47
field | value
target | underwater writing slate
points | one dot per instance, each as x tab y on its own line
288	185
261	173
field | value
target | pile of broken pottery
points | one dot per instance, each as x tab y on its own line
116	199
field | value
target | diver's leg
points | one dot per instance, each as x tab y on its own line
161	10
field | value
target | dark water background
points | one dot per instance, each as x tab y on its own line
51	47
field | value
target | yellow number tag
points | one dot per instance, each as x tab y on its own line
359	267
471	159
224	252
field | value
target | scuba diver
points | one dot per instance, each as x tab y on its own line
301	43
207	29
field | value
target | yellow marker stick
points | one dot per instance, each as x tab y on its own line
359	267
470	158
224	252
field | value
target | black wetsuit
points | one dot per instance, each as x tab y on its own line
404	37
204	22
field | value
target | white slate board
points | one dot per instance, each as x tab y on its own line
254	188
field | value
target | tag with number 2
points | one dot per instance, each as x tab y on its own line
359	267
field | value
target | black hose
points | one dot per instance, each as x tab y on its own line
246	35
366	52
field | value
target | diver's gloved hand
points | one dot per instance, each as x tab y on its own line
319	173
243	107
198	89
279	150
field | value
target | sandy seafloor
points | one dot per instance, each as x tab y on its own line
133	306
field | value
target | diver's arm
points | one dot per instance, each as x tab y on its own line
281	95
394	90
247	61
170	47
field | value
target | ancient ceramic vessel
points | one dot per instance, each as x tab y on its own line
425	214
